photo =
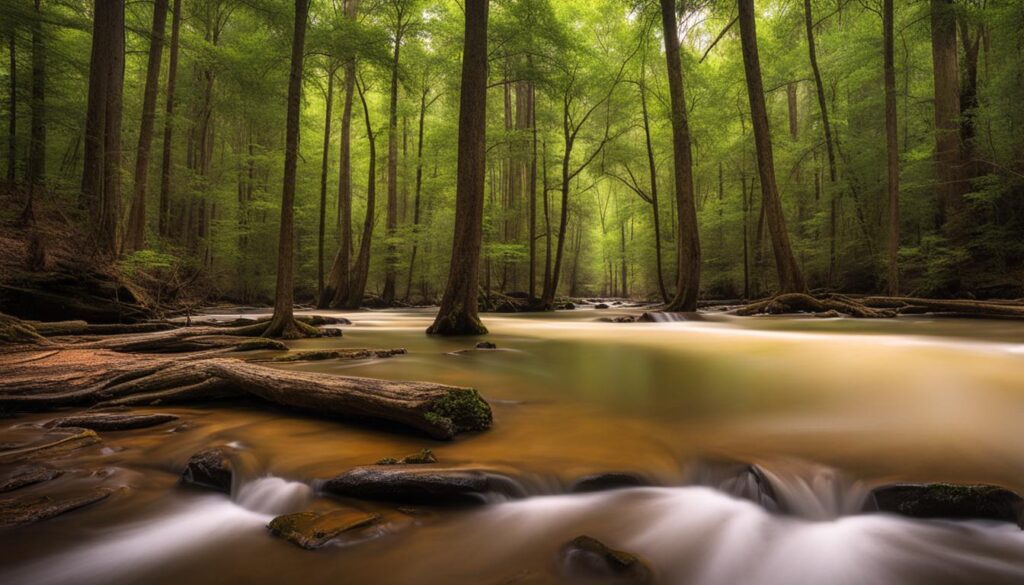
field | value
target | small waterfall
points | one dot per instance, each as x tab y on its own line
273	495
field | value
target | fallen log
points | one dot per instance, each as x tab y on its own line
101	377
52	328
790	303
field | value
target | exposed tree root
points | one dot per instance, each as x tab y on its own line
880	307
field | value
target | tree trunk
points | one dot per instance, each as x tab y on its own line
948	156
419	190
547	217
551	286
532	292
794	126
37	141
653	171
813	53
969	95
790	277
336	290
388	294
323	185
458	312
135	234
361	271
892	147
688	243
163	223
101	176
12	120
283	324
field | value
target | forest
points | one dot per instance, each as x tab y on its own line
751	276
882	156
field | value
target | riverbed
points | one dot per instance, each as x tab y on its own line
826	408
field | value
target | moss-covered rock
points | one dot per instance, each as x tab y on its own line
29	509
210	468
311	530
412	485
425	456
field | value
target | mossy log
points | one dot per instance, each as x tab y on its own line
832	305
45	380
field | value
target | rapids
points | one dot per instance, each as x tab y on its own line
827	409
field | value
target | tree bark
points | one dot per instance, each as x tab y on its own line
820	86
361	271
135	234
458	312
323	184
790	277
794	125
335	293
12	119
37	127
948	155
891	146
388	293
283	324
163	223
688	243
419	190
653	173
101	176
532	292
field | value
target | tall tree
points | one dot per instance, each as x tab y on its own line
283	323
458	312
361	270
322	228
101	174
688	281
891	146
135	234
335	292
819	85
12	102
790	277
948	155
37	127
424	104
401	13
164	210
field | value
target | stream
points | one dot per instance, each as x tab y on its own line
826	408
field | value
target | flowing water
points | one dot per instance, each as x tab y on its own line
826	409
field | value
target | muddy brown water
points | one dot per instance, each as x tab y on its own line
827	408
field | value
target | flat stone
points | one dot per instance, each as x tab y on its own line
943	500
312	530
420	486
114	422
612	480
210	468
26	510
486	345
424	457
587	558
28	477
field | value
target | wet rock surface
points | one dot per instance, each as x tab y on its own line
586	559
421	486
943	500
210	468
29	509
611	480
114	421
486	345
26	477
68	441
311	530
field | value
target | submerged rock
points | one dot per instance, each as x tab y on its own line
423	457
421	486
586	558
25	510
486	345
569	306
612	480
27	477
943	500
74	439
312	530
114	422
601	306
210	468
